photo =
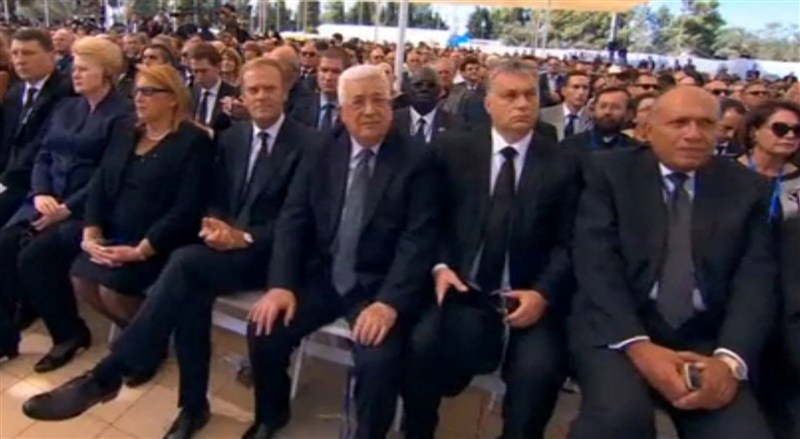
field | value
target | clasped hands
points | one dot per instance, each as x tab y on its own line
663	370
220	236
52	212
111	255
370	329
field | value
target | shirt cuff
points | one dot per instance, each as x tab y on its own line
730	354
438	267
621	346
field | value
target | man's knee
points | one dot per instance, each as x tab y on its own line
619	416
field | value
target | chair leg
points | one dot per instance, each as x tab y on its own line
297	368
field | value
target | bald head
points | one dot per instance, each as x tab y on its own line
287	57
682	127
63	40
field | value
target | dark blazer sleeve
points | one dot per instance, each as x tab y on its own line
415	250
557	275
752	302
41	183
599	267
182	219
97	199
294	227
790	288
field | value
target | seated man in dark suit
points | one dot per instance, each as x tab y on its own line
610	116
675	262
27	106
491	175
256	163
425	120
355	239
209	90
319	110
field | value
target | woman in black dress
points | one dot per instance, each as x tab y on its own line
147	199
40	241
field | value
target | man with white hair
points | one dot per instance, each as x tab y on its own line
354	240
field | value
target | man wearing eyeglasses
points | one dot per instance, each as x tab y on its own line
754	94
645	83
503	278
719	89
309	63
571	117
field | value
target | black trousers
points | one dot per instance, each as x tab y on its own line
43	269
181	300
378	369
618	403
534	369
10	201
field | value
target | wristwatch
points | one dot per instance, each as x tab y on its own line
736	368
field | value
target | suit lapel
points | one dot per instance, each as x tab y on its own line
240	160
385	166
533	174
480	160
648	194
263	173
441	123
709	195
337	178
404	120
314	112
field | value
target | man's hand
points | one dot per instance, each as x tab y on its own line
222	237
46	205
661	367
719	385
46	220
374	323
124	254
445	279
532	305
265	312
98	253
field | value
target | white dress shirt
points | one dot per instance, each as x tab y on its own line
697	297
428	118
255	143
323	101
213	94
38	85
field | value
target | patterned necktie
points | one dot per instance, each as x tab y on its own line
350	224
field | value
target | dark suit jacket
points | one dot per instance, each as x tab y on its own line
544	89
298	93
179	194
219	120
306	111
543	217
443	121
620	246
790	288
397	243
21	141
471	108
257	212
589	141
73	145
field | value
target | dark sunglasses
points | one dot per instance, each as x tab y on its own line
781	129
150	91
758	93
649	87
720	92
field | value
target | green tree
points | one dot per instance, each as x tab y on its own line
480	25
421	15
579	30
361	12
696	29
334	12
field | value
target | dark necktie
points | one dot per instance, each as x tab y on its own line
569	129
344	259
326	123
722	149
677	282
498	225
202	109
419	135
252	165
30	99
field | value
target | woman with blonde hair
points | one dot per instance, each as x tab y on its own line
42	239
146	200
230	66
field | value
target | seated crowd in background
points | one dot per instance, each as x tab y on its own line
632	229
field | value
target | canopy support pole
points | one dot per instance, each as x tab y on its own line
400	53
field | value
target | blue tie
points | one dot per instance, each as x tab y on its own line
569	129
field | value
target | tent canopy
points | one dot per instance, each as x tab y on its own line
565	5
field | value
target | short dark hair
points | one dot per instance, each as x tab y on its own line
574	74
469	60
758	116
205	51
666	81
609	90
728	104
321	45
337	53
38	35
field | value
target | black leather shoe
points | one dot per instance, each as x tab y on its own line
187	424
266	430
70	399
63	353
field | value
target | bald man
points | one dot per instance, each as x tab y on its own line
674	258
287	56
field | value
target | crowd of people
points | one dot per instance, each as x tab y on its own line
634	230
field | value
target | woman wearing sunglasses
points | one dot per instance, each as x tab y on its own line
41	240
146	200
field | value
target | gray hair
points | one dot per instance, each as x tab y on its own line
362	72
514	67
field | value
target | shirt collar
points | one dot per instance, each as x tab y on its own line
356	148
415	117
324	100
666	172
214	91
567	112
272	130
39	84
498	143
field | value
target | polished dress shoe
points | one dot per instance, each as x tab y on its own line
71	399
268	430
63	353
187	424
